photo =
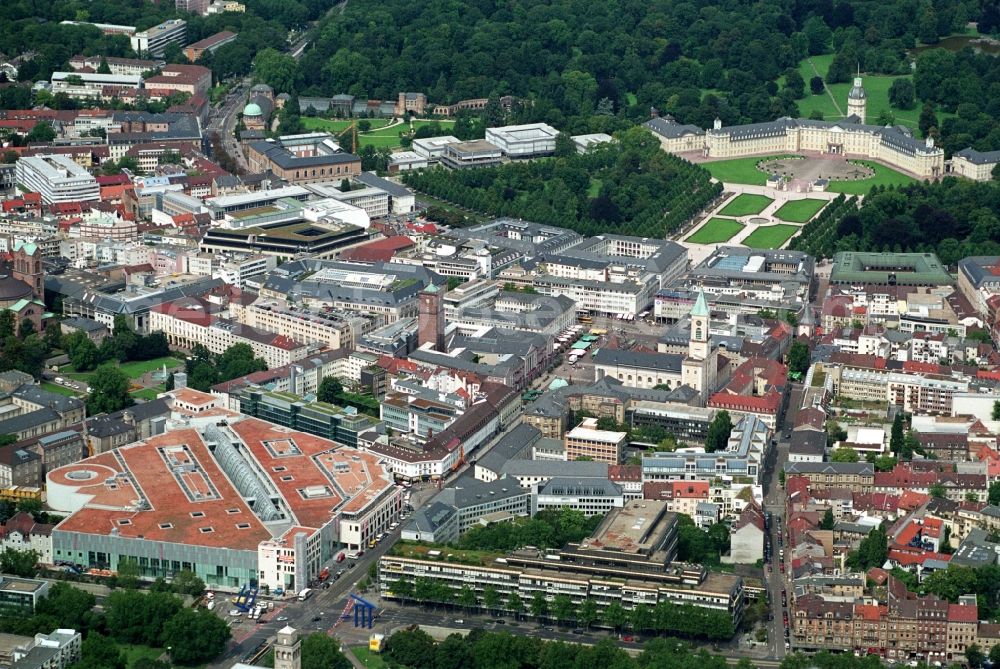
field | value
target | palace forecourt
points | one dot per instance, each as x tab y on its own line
232	498
850	137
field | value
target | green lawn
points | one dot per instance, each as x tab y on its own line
745	204
389	137
740	170
136	652
876	86
771	236
799	211
136	369
62	390
884	176
379	135
339	125
368	658
594	189
147	394
716	230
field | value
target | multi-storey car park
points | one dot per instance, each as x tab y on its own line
235	499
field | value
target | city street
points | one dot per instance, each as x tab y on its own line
774	502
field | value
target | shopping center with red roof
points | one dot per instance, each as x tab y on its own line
233	498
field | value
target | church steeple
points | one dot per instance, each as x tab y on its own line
698	344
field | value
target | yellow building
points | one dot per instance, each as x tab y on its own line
852	137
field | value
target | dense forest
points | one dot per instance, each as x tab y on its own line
954	218
966	84
629	187
696	60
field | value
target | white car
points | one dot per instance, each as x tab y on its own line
236	613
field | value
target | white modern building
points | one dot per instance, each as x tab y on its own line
91	84
524	141
57	178
154	40
432	148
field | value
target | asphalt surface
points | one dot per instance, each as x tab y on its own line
774	502
325	603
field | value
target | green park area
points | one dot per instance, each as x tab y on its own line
884	176
771	236
739	170
716	230
133	370
876	86
799	211
746	204
368	658
382	133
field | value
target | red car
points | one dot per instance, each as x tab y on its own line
782	567
628	639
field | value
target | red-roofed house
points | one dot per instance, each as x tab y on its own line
757	388
681	496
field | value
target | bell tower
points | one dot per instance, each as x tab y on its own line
700	367
698	343
28	268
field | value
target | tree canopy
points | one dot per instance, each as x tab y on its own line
629	187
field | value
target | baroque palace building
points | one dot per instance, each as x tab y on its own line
851	137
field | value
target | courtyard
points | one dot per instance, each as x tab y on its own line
845	175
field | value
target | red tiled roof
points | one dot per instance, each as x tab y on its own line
625	472
926	367
963	613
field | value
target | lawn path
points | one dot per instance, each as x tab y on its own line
826	88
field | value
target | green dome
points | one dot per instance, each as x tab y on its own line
252	109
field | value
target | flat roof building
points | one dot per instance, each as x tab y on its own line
209	44
524	141
232	498
892	269
433	148
475	153
586	441
154	40
57	178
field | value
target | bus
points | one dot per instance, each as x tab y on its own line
584	318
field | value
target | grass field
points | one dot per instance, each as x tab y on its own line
740	170
770	237
594	189
147	394
136	652
746	204
389	137
339	125
133	370
379	136
876	86
716	230
136	369
62	390
884	176
368	659
799	211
